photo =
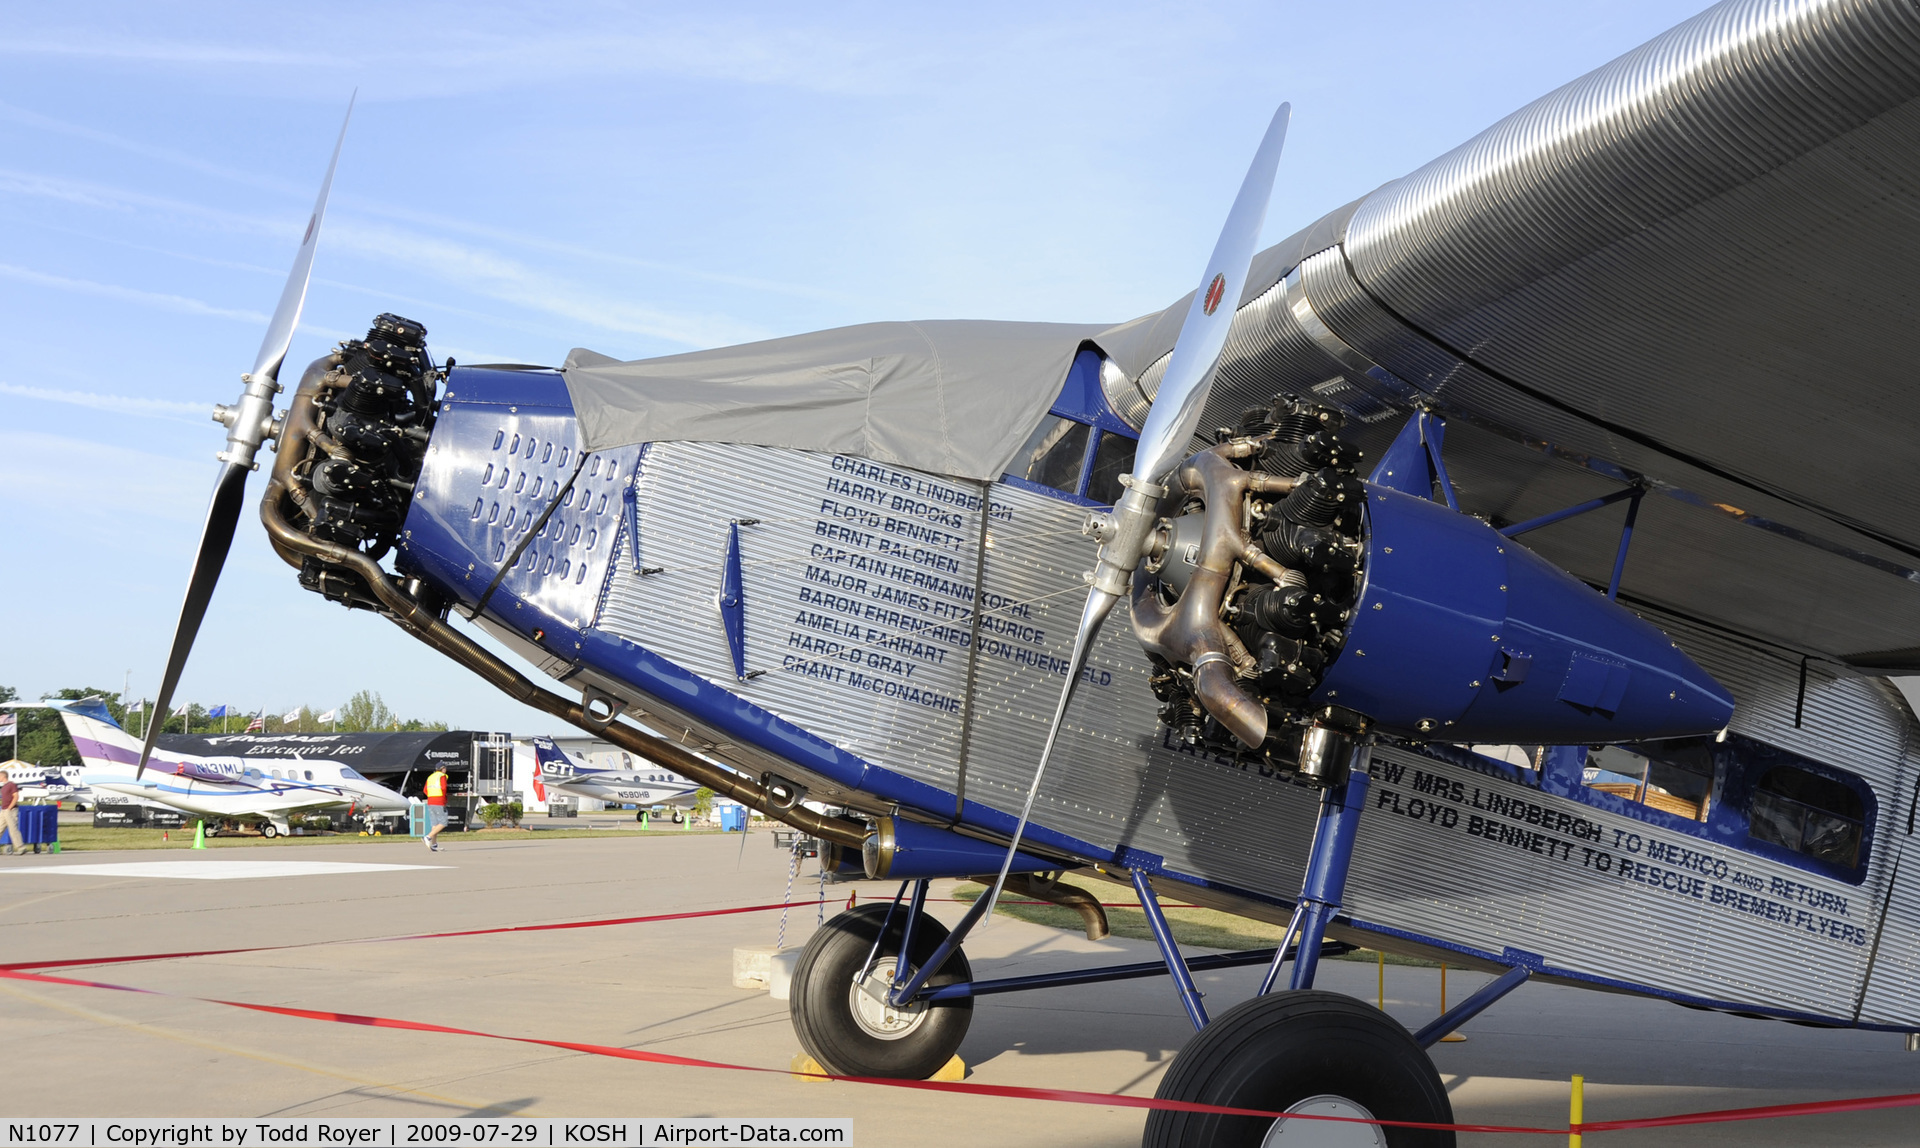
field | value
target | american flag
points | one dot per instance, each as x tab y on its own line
6	724
258	724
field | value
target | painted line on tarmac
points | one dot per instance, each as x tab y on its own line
603	922
220	870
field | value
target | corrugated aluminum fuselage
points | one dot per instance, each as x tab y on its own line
903	643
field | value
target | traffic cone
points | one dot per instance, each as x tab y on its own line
199	835
644	824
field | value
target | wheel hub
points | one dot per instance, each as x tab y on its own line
867	999
1325	1133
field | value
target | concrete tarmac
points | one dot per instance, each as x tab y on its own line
666	987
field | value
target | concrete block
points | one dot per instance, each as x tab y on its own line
750	967
780	973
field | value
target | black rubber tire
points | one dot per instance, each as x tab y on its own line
268	831
823	1015
1274	1051
678	817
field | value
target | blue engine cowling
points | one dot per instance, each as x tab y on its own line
1461	634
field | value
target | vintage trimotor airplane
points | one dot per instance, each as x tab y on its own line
849	565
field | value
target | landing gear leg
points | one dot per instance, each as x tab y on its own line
1303	1051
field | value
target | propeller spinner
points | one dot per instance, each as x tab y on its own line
250	422
1169	428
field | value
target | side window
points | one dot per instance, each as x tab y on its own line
1809	814
1673	777
1053	454
1111	459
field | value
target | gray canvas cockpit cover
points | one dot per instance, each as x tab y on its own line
955	397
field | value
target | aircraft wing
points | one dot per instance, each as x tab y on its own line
1690	269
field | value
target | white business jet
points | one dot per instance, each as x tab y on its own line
222	787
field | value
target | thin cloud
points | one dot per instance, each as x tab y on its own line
94	195
173	410
177	303
470	268
498	277
109	198
80	476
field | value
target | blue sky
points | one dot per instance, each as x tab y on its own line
638	179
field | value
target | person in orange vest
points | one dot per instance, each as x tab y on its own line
436	806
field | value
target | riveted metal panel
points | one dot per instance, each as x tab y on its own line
846	624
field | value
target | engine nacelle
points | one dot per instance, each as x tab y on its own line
1462	634
1288	607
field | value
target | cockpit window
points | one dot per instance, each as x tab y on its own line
348	773
1674	777
1053	454
1111	459
1809	814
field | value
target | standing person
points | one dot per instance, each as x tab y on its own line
436	806
10	813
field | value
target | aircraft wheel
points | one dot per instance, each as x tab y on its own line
268	831
1311	1052
678	818
850	1032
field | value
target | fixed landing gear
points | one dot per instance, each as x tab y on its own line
847	1024
268	831
1312	1052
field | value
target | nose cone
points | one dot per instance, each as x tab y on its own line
1574	666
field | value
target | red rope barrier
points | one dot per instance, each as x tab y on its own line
1016	1092
20	971
594	924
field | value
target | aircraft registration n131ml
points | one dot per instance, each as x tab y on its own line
1354	494
217	787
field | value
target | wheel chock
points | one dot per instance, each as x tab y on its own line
955	1069
804	1064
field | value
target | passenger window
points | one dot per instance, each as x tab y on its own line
1673	777
1053	454
1809	814
1111	459
309	774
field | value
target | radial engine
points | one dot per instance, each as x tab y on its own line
1290	607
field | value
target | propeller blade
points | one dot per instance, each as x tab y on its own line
293	297
1203	336
216	538
1169	428
249	423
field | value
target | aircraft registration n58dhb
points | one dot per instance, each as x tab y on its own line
1447	703
646	789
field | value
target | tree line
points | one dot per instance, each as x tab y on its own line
44	740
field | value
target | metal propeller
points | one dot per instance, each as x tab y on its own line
250	422
1169	428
